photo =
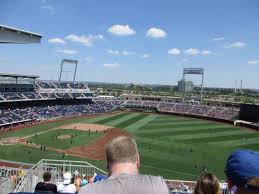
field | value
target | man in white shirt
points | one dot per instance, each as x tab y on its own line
67	186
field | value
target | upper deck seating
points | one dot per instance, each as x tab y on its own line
32	95
12	96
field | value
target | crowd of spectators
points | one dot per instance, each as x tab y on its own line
65	85
220	112
56	111
106	105
123	165
14	96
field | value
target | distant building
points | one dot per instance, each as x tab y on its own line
185	86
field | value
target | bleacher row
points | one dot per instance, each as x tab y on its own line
51	91
55	111
68	85
220	112
14	96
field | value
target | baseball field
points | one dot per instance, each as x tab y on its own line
171	146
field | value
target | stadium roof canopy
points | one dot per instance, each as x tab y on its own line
18	76
17	36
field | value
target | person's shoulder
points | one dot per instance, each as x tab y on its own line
52	185
71	187
89	188
60	186
156	179
96	187
156	182
39	184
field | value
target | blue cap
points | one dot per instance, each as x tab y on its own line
83	182
99	178
241	166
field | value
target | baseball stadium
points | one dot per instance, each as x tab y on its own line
64	125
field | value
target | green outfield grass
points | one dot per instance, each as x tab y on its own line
171	146
78	138
21	153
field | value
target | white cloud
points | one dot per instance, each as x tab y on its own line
67	51
253	62
88	59
85	40
174	51
192	51
236	45
113	52
206	52
218	39
49	8
56	41
117	52
126	53
145	56
156	33
121	30
111	65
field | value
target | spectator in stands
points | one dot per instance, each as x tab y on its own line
123	164
69	186
84	181
242	171
46	185
207	184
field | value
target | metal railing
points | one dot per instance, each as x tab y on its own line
10	177
57	169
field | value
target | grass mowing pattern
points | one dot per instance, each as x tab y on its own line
122	119
106	120
174	147
178	147
130	121
187	132
78	138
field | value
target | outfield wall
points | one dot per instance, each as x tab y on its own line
250	126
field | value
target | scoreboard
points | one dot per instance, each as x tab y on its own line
249	112
193	71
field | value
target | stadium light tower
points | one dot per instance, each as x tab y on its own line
195	71
71	62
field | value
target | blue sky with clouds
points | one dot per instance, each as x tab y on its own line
134	41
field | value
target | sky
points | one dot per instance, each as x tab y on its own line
133	41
